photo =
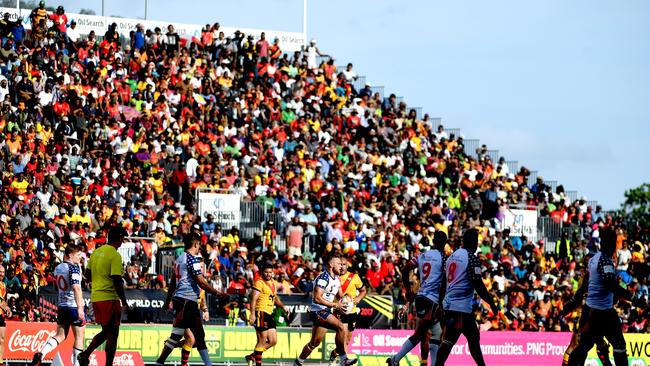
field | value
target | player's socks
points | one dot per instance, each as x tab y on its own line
205	356
75	354
49	346
434	345
185	354
406	348
257	356
333	355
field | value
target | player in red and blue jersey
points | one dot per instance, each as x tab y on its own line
70	313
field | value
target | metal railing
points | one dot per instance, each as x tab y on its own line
552	184
572	195
418	112
378	90
453	131
494	155
359	83
470	147
513	166
550	231
435	123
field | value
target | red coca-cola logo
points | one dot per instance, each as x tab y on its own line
28	342
98	358
125	359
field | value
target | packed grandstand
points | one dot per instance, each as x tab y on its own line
125	129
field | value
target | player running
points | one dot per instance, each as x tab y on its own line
431	270
602	348
264	298
104	273
352	287
183	295
463	271
67	277
602	321
327	288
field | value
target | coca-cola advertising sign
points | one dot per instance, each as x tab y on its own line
24	339
98	358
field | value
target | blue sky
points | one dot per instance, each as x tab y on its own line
561	86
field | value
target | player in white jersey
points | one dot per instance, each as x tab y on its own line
431	272
183	295
67	277
463	271
327	289
602	290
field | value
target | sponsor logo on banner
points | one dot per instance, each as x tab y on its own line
26	342
225	208
26	338
98	358
521	222
289	41
138	343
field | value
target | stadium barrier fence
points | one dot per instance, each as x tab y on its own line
228	345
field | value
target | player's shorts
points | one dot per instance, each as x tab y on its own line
264	321
108	313
425	308
66	317
2	321
186	313
319	318
350	320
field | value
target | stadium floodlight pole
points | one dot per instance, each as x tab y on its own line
146	2
102	7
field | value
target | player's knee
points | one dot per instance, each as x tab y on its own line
435	333
200	344
175	338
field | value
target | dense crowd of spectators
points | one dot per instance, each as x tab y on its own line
122	129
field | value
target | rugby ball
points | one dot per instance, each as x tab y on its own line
348	304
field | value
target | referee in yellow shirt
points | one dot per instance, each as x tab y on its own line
264	297
352	286
105	274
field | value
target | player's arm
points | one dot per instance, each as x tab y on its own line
406	279
362	293
75	281
170	292
443	281
474	273
608	273
320	299
116	276
576	300
194	268
279	304
255	295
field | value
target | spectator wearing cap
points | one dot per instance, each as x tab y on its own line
73	33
